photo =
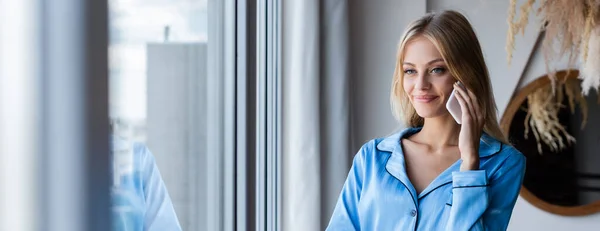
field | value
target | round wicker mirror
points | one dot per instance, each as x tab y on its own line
561	145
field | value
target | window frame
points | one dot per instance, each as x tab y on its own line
269	115
221	118
258	111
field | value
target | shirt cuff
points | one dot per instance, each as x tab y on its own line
465	179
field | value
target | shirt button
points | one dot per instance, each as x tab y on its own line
413	213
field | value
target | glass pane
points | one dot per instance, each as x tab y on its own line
158	55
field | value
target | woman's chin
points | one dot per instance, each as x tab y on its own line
428	114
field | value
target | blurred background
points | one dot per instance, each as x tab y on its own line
253	109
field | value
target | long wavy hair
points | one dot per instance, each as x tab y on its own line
455	39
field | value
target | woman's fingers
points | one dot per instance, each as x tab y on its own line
466	111
479	111
471	102
465	96
466	99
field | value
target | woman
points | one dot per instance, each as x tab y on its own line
436	174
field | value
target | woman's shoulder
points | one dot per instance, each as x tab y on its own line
368	149
496	149
375	152
373	146
387	144
509	151
507	159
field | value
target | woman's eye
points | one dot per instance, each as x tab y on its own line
438	70
409	71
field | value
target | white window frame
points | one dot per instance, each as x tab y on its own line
258	126
221	116
268	210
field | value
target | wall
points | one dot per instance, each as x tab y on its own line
525	215
375	28
374	32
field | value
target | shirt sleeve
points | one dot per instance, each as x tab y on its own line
479	204
345	215
159	215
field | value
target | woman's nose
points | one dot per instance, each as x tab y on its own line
422	82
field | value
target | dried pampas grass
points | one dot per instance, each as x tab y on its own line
519	25
570	31
590	68
543	107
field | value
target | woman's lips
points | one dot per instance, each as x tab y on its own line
424	98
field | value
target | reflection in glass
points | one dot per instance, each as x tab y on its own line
158	72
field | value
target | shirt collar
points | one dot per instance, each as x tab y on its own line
488	145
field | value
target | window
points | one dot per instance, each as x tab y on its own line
169	91
179	82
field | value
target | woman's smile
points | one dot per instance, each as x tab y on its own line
424	98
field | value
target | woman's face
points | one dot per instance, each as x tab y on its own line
427	81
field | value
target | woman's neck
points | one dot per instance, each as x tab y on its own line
440	131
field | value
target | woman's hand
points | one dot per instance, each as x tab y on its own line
473	120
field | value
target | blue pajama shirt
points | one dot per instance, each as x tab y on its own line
378	194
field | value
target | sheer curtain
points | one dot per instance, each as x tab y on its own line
54	129
316	131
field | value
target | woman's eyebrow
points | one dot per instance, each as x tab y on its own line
429	63
435	61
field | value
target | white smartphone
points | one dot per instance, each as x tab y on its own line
453	106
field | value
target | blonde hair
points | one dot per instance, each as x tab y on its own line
456	41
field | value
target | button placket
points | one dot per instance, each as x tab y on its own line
413	213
